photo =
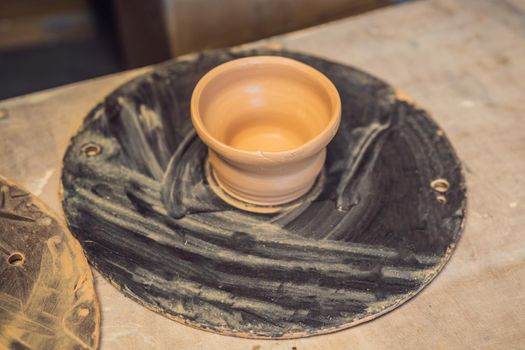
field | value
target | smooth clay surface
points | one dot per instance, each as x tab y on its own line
385	220
47	298
266	121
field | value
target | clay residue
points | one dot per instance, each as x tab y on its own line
401	95
50	300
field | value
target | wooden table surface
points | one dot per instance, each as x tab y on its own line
464	61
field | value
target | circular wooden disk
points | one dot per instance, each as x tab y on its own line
136	196
47	298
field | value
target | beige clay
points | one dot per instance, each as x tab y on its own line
266	121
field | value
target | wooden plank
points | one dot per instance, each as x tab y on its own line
138	23
181	27
202	24
37	22
460	60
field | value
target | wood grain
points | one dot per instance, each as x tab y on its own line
47	298
461	60
200	24
384	221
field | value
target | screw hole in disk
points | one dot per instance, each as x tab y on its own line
441	199
91	149
440	185
16	259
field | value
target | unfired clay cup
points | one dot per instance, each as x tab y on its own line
266	121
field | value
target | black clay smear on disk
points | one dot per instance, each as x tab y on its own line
374	237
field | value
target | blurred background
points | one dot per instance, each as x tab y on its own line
48	43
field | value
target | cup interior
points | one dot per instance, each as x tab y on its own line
267	104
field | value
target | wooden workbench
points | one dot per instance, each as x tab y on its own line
461	60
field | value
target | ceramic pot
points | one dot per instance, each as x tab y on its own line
266	121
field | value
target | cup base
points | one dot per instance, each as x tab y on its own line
227	196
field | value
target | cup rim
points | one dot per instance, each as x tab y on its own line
310	147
